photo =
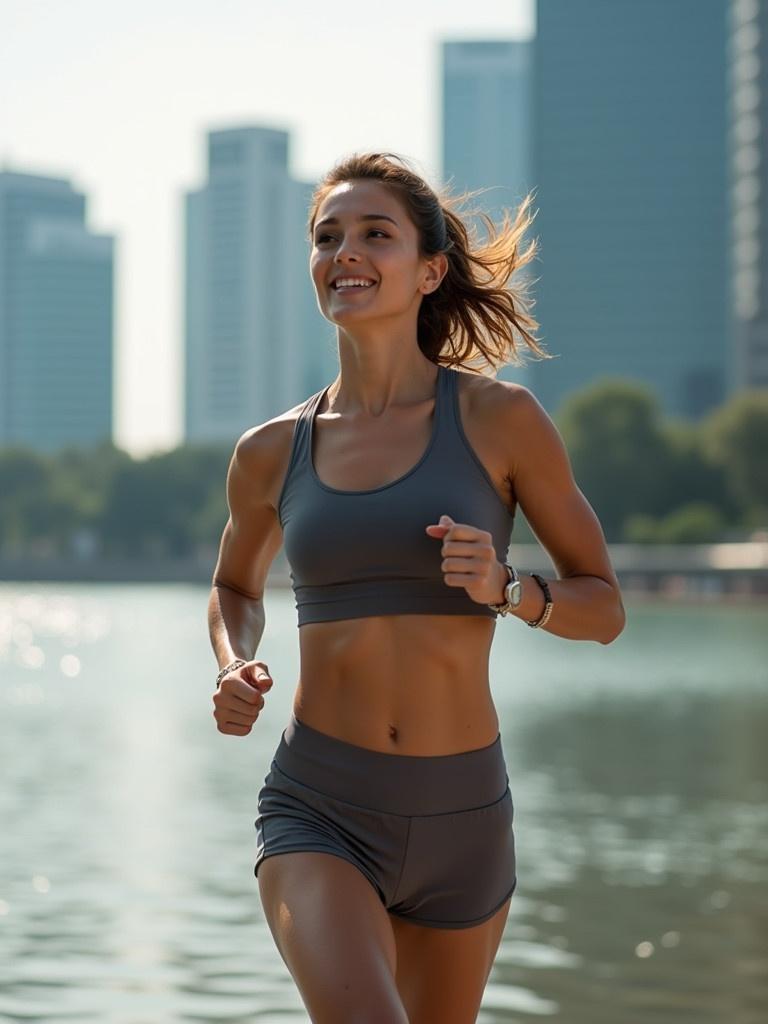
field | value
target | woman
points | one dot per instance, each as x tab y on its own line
385	853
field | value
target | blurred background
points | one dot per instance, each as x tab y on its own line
156	165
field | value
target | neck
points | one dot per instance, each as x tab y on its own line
371	386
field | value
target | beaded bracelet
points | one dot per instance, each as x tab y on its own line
548	603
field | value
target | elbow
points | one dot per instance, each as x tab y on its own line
617	619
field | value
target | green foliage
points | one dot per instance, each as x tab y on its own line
653	479
162	505
692	474
165	505
25	513
736	437
695	523
618	450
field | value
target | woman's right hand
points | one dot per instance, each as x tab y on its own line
238	699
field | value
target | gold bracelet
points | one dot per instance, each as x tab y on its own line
548	603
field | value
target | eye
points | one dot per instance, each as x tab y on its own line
374	231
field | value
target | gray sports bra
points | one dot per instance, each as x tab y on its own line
359	553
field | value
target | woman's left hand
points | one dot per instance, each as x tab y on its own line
469	560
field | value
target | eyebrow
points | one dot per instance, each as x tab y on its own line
365	216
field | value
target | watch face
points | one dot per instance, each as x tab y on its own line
513	592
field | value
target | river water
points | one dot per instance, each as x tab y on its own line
639	773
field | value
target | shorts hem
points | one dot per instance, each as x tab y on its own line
426	923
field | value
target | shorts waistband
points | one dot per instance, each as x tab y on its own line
393	783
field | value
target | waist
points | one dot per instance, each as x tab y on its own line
394	783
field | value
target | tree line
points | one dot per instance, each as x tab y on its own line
650	479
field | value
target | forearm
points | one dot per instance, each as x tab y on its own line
235	624
584	607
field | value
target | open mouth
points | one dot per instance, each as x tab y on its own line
352	287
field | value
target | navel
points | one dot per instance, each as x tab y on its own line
392	732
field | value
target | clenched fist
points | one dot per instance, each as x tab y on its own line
238	699
469	560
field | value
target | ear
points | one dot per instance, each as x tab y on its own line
435	271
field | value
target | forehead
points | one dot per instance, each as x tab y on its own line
351	199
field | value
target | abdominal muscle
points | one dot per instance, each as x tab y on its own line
400	684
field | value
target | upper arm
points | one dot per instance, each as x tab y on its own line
559	514
253	535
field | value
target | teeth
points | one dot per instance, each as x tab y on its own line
350	282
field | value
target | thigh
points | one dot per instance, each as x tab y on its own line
442	972
334	935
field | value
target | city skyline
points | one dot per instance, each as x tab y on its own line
134	152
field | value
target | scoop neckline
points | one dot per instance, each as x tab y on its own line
441	370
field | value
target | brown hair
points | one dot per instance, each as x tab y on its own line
473	316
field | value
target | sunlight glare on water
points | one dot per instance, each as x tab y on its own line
127	894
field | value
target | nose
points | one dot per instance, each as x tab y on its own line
345	254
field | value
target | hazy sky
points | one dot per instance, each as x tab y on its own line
119	97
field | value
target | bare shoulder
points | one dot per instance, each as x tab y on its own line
490	397
532	433
252	535
262	453
503	410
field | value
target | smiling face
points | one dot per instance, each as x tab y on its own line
362	232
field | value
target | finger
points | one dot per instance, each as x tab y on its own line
246	707
478	548
467	532
235	718
257	675
462	579
235	730
245	691
465	565
462	531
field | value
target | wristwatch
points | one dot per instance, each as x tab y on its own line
513	592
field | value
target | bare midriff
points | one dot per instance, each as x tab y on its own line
400	684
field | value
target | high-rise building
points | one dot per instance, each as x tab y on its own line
486	120
56	317
486	133
255	342
748	106
630	162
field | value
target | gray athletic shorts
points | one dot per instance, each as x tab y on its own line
433	835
